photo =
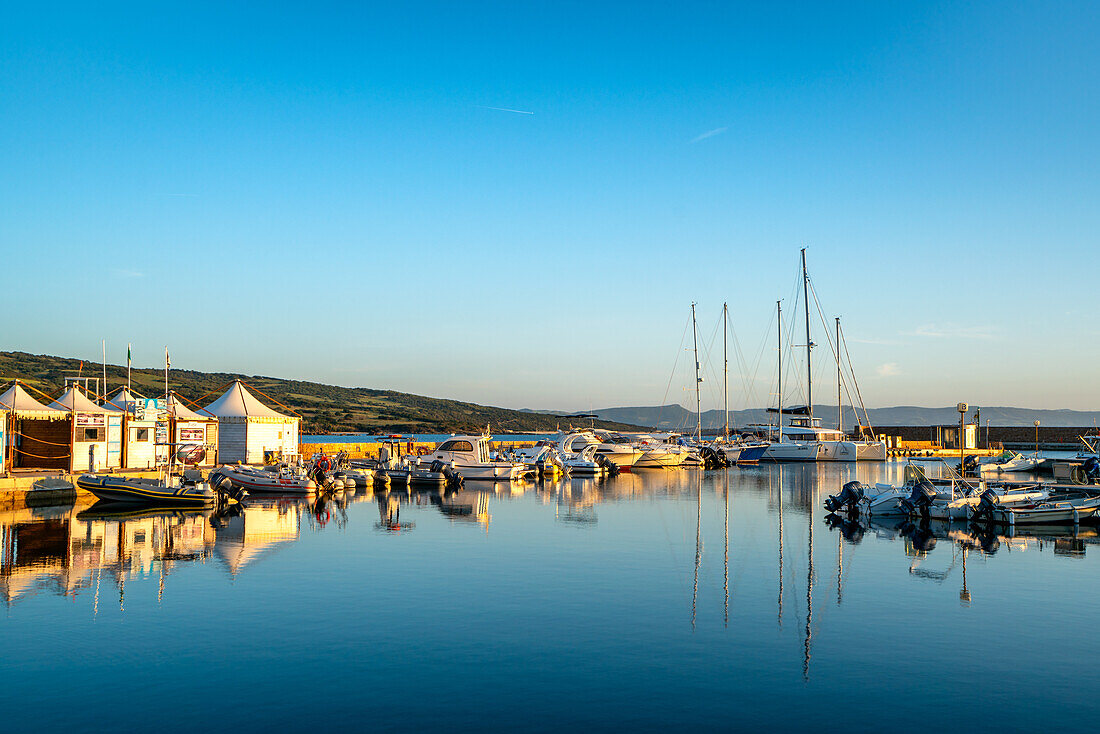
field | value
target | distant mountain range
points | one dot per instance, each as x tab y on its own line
676	417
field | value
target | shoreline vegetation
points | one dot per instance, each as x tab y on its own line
324	409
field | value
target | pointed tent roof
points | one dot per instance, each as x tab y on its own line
121	401
181	412
237	402
75	401
17	400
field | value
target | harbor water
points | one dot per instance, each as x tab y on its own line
648	601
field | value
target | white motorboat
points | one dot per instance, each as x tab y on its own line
1009	461
618	448
583	461
469	455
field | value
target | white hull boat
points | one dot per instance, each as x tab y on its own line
469	455
793	451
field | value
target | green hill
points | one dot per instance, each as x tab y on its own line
324	408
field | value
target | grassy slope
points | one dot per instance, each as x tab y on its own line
324	408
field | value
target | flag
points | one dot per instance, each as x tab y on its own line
128	356
167	359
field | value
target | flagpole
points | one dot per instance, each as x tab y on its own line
104	396
167	364
128	346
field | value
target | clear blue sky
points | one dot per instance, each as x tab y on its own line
326	192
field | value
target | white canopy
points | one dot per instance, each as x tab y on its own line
122	400
19	401
75	401
181	412
238	403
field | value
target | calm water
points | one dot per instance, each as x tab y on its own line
625	604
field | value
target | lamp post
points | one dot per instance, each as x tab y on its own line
962	408
1036	436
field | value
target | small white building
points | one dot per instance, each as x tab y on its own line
97	433
247	429
139	451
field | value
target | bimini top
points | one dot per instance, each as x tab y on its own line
181	412
19	401
75	401
238	404
123	400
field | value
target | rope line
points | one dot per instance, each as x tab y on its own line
39	440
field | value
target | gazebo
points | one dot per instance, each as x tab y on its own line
96	432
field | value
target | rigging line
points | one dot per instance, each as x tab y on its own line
835	349
844	342
750	393
672	376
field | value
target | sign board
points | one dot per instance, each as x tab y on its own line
162	432
151	409
192	435
90	419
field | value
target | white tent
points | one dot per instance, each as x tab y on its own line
17	400
121	401
39	437
247	428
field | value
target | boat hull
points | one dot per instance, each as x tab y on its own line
131	491
793	451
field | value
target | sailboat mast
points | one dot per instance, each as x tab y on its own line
698	404
725	368
839	404
779	319
809	345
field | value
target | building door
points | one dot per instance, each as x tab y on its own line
114	442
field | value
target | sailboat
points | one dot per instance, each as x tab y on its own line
804	447
809	440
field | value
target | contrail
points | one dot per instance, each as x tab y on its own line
709	134
504	109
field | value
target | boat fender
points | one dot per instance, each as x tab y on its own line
1091	467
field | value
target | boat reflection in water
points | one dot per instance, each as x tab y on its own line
65	551
261	527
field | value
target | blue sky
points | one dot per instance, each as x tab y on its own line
339	192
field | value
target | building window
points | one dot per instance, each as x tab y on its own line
88	434
141	434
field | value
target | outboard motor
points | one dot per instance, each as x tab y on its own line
849	498
920	499
713	459
437	466
608	465
454	478
1091	467
970	465
987	504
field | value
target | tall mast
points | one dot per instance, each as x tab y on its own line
725	368
809	345
779	319
839	404
698	404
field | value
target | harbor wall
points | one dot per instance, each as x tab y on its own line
371	450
